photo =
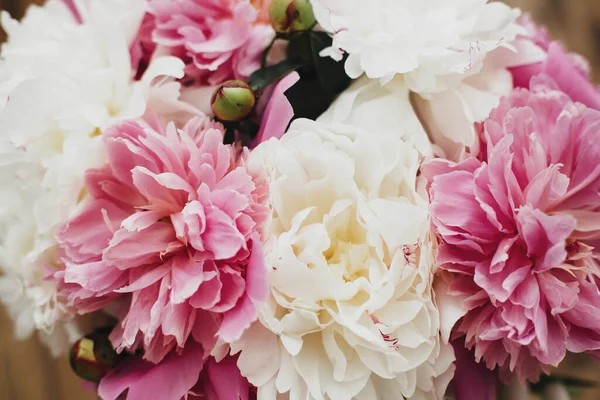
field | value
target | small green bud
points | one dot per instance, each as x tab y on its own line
93	356
291	15
232	101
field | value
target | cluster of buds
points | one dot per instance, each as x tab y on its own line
234	100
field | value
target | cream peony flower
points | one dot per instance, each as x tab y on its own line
433	44
382	109
351	312
61	84
447	119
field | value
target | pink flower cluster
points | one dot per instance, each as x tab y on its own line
570	72
217	39
171	236
519	226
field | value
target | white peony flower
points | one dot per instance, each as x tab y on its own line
381	109
447	119
450	116
61	84
433	44
351	312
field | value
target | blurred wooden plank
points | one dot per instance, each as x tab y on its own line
29	372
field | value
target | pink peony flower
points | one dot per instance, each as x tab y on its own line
518	227
571	72
179	376
172	229
218	39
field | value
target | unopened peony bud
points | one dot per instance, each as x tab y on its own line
93	356
232	101
291	15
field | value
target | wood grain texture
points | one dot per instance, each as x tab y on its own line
28	371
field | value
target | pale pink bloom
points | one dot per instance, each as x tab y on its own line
571	72
518	226
172	231
217	39
188	375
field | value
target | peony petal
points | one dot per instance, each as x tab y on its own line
278	112
172	378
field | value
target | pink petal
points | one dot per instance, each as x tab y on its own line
226	380
221	236
172	378
209	293
129	249
472	380
88	234
165	192
257	283
187	276
278	113
232	290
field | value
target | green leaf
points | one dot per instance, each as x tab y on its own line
266	76
331	73
308	97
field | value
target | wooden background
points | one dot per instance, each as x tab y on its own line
28	371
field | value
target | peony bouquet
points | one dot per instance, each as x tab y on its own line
299	199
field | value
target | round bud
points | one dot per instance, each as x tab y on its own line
232	101
93	356
291	15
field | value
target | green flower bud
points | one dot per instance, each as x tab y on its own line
93	356
291	15
232	101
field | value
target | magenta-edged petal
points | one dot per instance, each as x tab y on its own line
278	112
205	329
472	380
226	381
173	378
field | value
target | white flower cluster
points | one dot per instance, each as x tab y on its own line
61	83
351	312
433	44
